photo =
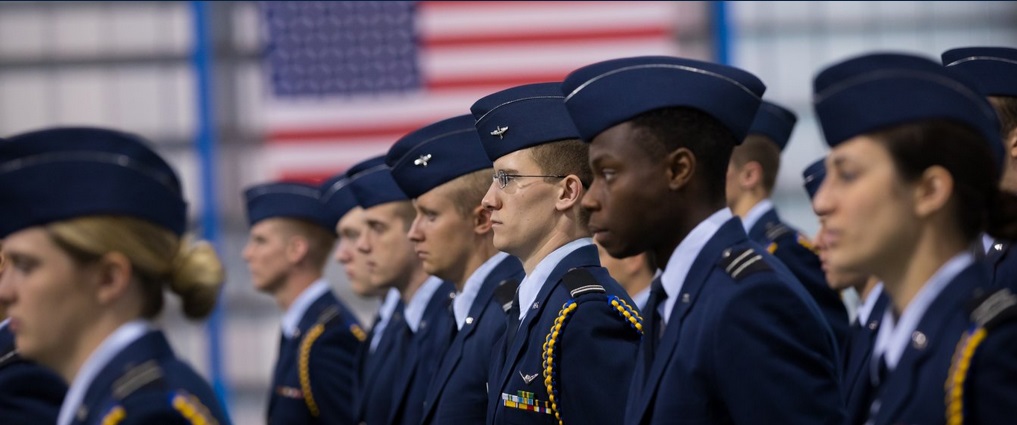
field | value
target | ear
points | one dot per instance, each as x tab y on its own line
932	191
112	277
481	220
570	193
751	175
681	166
296	248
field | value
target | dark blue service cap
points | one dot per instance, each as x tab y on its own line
522	117
336	194
775	122
993	69
372	183
436	154
287	200
813	175
872	92
608	93
63	173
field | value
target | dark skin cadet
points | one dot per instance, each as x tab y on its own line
643	198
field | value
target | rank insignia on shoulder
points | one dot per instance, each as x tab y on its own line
136	378
741	262
990	310
580	281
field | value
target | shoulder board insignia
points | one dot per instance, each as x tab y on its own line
136	378
990	310
741	262
114	416
328	315
505	293
777	230
580	281
9	357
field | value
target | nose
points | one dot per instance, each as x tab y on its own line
823	203
414	234
342	252
247	253
490	201
363	245
7	293
591	199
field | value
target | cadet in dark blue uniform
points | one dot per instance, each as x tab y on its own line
376	361
751	176
912	180
862	334
731	335
573	332
994	70
445	170
423	331
95	241
291	235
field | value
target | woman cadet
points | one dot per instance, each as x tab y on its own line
95	239
912	180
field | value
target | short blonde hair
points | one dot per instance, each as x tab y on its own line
191	270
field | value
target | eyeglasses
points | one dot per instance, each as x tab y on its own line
503	178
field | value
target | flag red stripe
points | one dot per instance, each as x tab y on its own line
330	134
494	82
493	40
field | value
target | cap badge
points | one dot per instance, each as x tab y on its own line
499	131
422	161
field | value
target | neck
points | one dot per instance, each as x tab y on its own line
744	204
478	256
903	280
637	282
866	287
687	219
295	284
69	362
554	241
416	280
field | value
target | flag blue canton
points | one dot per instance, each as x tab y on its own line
341	48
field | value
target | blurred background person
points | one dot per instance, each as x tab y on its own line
912	181
290	240
88	268
633	273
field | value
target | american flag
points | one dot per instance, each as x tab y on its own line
345	80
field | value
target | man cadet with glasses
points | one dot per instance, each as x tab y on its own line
289	243
375	364
751	176
445	170
424	328
573	334
730	336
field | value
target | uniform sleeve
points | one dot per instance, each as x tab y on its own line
804	264
331	374
773	358
594	363
991	396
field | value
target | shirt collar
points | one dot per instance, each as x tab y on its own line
388	307
755	213
463	301
895	335
680	263
532	283
865	309
987	242
103	354
641	297
291	319
414	312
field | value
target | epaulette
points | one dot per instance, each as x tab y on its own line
990	310
986	313
579	282
741	262
505	293
138	377
776	230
